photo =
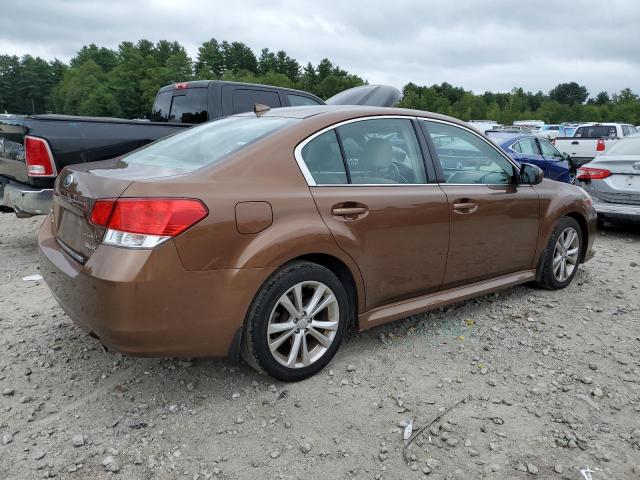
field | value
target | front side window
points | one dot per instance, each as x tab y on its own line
548	150
205	144
467	158
625	130
382	151
527	146
323	159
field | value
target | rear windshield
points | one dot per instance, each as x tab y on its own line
628	146
181	106
596	131
206	144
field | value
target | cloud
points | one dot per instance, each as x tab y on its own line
488	45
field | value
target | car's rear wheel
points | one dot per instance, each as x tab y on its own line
562	255
296	322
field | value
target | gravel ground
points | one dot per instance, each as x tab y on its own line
548	385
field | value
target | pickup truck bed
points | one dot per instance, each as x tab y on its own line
70	140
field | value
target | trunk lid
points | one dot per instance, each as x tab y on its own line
623	186
76	190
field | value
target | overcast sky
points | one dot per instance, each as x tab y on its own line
477	44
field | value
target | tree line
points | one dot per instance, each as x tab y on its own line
123	82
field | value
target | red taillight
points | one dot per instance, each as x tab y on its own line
38	158
102	212
182	85
165	217
600	146
588	173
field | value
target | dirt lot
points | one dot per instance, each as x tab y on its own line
551	382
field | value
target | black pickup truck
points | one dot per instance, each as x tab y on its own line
33	149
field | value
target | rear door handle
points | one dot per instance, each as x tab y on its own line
575	142
349	211
465	207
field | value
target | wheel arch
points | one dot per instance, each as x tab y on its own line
344	274
584	230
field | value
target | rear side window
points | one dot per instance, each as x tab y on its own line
596	131
380	151
244	99
205	144
300	100
376	152
625	130
324	160
190	107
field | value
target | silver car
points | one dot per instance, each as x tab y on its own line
613	180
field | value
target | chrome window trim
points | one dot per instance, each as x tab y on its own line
481	137
297	153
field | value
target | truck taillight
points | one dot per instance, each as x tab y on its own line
38	158
145	222
600	146
588	173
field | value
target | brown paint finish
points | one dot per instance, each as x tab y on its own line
498	237
408	248
407	227
253	217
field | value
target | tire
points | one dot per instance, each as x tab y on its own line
279	310
553	277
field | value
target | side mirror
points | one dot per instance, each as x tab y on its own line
531	174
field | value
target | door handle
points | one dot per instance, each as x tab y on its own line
348	211
465	207
575	142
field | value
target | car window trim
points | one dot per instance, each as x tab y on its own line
437	164
297	153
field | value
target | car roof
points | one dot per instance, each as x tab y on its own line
502	138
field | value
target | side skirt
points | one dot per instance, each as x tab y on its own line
403	309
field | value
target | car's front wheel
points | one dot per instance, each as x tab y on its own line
562	255
296	322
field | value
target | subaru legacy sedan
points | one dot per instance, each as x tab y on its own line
269	235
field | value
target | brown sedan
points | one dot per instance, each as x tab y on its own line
269	235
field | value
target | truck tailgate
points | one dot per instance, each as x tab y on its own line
12	163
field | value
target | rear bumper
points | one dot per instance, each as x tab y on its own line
24	199
618	210
144	303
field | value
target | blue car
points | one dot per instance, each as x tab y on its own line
525	148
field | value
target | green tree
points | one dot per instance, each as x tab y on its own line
569	93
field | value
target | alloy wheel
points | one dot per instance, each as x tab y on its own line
303	324
565	254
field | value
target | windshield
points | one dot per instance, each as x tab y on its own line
206	144
628	146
